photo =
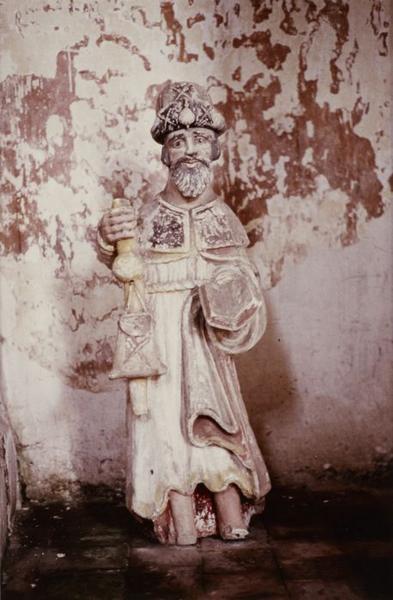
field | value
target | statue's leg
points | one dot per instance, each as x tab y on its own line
229	514
183	517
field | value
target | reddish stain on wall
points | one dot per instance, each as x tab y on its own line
198	18
271	55
175	34
95	359
124	42
27	103
346	159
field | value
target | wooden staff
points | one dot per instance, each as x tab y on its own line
128	268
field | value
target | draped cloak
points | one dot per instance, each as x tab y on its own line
194	435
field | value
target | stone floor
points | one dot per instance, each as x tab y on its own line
306	546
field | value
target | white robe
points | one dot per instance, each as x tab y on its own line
194	428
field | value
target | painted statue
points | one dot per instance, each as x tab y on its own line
192	302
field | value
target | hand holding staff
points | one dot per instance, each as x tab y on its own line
127	267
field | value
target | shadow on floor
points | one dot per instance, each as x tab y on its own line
308	546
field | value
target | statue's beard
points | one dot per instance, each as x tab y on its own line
191	181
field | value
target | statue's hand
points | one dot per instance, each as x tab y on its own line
118	224
127	267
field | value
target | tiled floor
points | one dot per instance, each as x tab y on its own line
334	546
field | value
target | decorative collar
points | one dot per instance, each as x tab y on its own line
184	209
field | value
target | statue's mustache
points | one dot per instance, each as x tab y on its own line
190	159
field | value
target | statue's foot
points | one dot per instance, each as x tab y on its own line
183	518
230	518
233	533
186	539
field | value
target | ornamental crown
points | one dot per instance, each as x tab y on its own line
184	104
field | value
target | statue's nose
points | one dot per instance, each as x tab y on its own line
190	147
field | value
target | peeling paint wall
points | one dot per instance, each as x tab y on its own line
305	87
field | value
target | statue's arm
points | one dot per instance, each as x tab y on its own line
235	312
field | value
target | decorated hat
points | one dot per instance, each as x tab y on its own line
182	105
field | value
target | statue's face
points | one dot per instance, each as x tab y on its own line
190	145
188	154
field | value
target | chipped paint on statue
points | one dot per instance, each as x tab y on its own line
195	468
306	166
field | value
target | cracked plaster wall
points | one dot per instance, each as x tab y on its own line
304	86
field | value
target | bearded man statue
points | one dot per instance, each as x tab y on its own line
194	466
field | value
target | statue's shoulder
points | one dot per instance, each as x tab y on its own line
149	208
230	214
218	226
